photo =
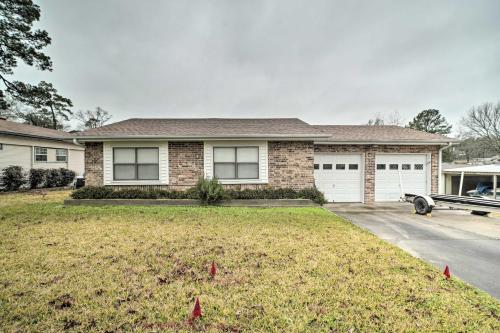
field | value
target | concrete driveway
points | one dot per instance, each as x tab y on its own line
468	244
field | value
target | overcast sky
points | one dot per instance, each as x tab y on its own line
336	62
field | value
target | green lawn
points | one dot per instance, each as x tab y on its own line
141	268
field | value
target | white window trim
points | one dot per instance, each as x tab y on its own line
263	160
108	177
65	154
35	154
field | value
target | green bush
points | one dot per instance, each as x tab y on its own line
36	178
52	178
12	178
66	177
93	192
313	194
209	191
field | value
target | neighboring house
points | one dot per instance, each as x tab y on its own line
37	147
347	163
473	175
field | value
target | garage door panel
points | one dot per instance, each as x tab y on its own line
392	169
339	176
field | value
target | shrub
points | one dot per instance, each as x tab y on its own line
12	178
93	192
52	178
36	177
312	194
209	191
66	177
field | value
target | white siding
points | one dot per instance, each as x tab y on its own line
263	163
18	150
15	155
108	163
76	161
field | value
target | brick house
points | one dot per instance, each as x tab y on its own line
347	163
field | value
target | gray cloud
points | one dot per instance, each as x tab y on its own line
322	61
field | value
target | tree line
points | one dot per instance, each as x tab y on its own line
36	104
479	129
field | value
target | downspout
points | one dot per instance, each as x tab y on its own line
440	168
75	141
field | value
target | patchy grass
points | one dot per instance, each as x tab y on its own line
141	269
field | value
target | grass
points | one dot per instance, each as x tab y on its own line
141	268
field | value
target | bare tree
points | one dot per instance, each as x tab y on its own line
483	121
393	118
377	120
92	118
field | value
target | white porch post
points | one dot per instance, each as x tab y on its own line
495	177
461	183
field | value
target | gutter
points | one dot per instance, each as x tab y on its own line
201	138
392	143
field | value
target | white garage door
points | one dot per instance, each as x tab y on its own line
412	169
339	176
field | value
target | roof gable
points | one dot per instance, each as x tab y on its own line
13	128
380	134
205	128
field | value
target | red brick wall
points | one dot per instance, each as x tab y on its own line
291	164
93	164
185	163
369	155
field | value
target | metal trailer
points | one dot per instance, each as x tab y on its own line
425	203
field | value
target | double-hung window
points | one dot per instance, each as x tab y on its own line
61	155
40	154
136	163
236	162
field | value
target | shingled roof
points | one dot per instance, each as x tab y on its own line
13	128
205	128
379	134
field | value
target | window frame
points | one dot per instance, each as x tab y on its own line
46	154
65	154
236	163
136	165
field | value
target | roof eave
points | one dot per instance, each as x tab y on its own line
307	137
36	136
385	142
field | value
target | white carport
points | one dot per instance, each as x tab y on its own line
489	171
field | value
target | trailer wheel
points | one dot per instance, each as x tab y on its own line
421	206
479	213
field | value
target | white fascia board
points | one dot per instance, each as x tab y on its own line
391	143
217	138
